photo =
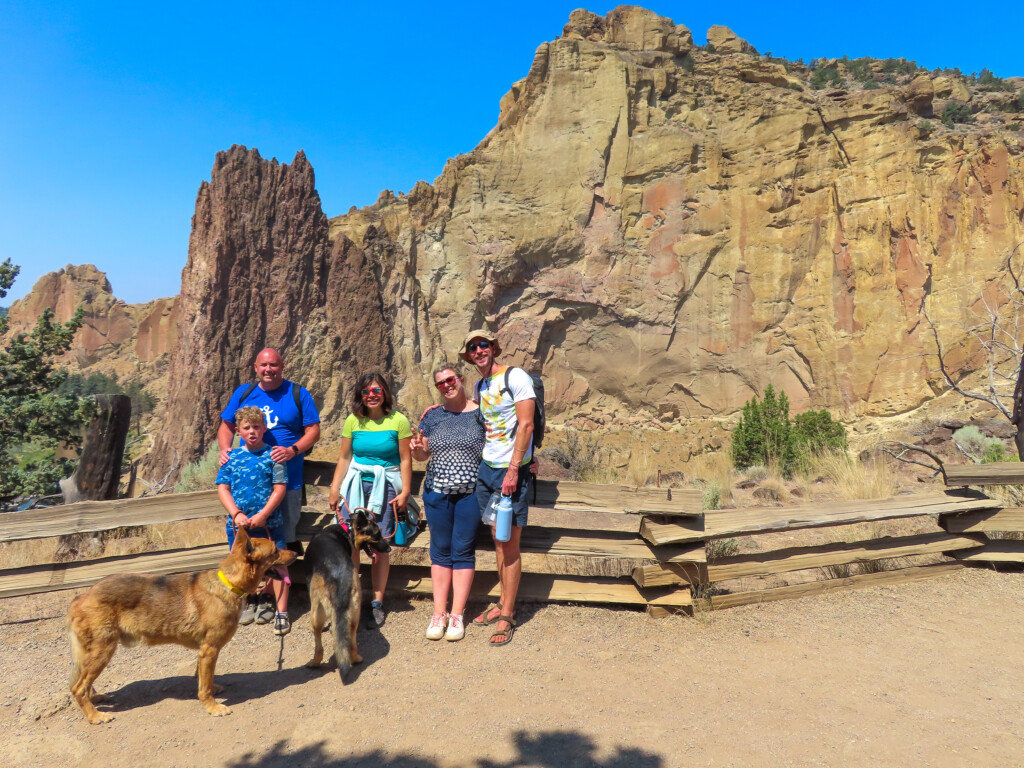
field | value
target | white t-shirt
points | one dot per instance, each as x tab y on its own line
499	411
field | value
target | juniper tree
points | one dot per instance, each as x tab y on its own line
32	412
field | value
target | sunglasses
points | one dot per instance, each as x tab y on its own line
451	381
371	391
473	346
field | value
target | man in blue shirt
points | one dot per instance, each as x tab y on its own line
293	427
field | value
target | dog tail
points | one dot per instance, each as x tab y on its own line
76	654
342	646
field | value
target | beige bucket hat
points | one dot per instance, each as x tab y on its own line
479	334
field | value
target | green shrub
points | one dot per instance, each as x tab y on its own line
983	449
828	75
956	112
200	475
711	498
764	434
816	431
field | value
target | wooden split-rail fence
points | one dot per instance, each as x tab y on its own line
606	544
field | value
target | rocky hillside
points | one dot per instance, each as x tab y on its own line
661	229
131	342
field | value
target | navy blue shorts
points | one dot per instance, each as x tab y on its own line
489	480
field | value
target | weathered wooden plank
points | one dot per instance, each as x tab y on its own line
676	532
93	516
736	522
48	578
903	575
995	551
800	558
983	521
406	580
568	494
998	473
670	574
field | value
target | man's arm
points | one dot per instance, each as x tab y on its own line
525	410
225	436
283	453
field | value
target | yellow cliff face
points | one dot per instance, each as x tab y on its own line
662	229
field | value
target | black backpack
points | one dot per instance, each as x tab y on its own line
295	394
539	418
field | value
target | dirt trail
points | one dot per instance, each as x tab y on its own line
924	674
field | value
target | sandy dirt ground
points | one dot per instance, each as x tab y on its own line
925	674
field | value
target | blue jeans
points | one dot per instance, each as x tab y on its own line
453	519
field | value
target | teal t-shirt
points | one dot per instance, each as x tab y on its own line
376	441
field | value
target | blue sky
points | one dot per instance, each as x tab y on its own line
110	114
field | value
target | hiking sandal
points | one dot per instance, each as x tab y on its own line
486	621
507	633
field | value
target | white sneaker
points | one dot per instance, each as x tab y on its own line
456	630
435	630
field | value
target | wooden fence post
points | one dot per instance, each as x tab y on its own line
99	470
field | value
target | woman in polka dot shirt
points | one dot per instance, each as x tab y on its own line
452	438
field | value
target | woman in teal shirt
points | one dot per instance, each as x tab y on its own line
374	469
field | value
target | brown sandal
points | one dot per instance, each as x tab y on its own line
486	621
507	633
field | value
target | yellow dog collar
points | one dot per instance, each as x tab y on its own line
229	585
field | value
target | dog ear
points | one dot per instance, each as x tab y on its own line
243	540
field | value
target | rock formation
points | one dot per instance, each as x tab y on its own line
261	271
129	341
660	229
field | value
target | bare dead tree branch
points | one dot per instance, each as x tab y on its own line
904	448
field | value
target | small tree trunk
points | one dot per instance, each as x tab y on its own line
99	470
1017	419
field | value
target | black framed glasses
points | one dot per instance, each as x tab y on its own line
473	346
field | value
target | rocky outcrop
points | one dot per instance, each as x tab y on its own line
129	341
660	229
723	40
261	272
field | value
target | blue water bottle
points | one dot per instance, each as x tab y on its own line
503	523
400	518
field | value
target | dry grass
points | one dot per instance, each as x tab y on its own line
852	479
837	571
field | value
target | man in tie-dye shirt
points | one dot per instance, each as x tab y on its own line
507	404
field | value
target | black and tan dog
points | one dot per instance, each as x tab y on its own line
335	595
197	610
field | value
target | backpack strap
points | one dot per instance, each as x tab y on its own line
296	392
248	391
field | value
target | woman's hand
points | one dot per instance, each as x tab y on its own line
334	499
420	446
400	502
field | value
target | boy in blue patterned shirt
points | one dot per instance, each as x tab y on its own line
251	487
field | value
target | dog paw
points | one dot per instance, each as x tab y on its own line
356	658
218	710
100	717
313	663
100	698
217	688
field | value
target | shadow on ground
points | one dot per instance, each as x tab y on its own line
557	749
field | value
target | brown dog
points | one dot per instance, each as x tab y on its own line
332	558
197	610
